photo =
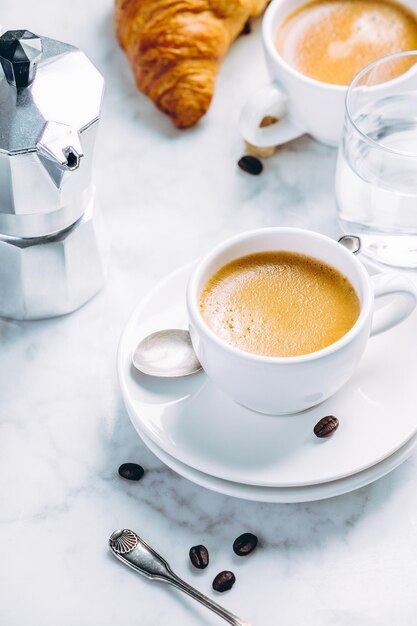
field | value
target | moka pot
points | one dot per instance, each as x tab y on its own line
52	243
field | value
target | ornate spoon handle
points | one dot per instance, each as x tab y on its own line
129	548
216	608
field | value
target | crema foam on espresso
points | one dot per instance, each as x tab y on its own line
279	304
332	40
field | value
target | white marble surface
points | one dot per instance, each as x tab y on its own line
167	197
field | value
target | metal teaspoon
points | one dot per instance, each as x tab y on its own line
167	353
129	548
351	243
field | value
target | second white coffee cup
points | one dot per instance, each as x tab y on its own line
281	385
302	104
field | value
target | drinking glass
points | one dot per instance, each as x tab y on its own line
376	175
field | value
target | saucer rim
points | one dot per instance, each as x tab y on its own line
282	495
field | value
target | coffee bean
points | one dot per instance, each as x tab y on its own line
326	426
224	581
245	544
131	471
246	30
251	165
199	556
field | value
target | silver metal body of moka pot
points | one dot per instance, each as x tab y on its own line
52	244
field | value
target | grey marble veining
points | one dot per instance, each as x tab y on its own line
168	196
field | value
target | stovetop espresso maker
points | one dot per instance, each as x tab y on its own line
52	244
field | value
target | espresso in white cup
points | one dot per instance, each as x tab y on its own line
281	385
301	103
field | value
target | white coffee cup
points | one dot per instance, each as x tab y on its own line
302	104
281	385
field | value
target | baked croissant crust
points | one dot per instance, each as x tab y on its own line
175	48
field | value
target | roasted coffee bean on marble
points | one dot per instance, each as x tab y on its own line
224	581
326	426
199	556
245	544
250	165
131	471
247	29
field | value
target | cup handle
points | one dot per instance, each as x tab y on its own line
399	308
268	100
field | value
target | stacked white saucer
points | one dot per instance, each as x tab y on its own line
202	434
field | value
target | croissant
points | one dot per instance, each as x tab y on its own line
175	48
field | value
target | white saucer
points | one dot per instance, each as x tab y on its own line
196	424
285	495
